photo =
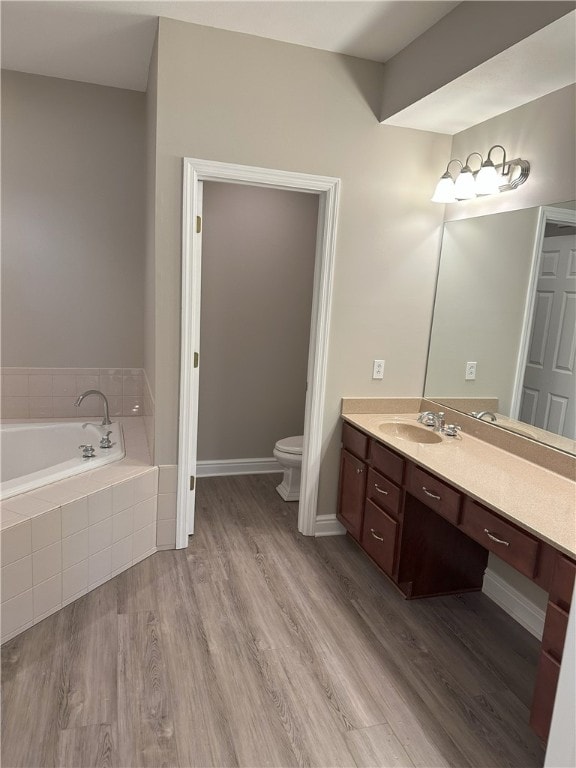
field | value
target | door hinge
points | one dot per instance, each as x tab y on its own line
196	359
192	482
198	224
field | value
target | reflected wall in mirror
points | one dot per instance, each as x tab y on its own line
506	301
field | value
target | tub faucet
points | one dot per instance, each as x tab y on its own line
106	419
480	415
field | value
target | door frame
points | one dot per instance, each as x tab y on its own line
195	172
546	214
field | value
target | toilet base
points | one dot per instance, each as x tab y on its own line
289	488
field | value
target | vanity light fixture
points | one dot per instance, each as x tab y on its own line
489	179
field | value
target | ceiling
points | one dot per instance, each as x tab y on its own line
110	42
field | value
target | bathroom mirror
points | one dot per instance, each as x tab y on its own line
503	335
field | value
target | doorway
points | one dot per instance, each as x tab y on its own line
196	172
258	249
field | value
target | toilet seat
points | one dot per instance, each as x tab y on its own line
292	445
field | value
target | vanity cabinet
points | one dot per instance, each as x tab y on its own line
430	538
552	647
404	519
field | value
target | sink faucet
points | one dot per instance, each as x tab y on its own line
106	419
480	415
431	419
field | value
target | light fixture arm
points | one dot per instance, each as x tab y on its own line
503	164
454	160
467	164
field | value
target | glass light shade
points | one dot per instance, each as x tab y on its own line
444	192
487	180
465	186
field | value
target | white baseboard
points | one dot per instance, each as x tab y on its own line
517	605
236	467
327	525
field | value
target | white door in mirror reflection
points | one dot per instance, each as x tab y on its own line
549	389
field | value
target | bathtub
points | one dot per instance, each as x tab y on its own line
35	454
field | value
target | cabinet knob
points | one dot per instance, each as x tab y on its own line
359	470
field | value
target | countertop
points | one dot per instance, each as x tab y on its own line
534	498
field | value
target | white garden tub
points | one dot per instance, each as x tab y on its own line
35	454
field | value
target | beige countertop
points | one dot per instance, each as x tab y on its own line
536	499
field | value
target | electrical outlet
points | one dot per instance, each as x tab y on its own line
470	374
378	369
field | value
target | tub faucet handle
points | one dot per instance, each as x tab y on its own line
105	441
88	451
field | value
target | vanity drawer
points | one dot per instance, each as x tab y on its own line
554	631
386	462
354	442
511	544
382	492
379	536
563	582
434	493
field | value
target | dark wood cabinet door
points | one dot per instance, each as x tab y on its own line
544	695
351	493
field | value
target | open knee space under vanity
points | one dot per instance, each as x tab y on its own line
428	514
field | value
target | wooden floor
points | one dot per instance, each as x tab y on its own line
259	647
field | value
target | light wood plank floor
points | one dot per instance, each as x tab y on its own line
259	647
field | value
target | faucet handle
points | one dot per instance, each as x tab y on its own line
451	430
105	441
427	418
88	451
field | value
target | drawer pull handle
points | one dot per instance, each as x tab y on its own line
495	538
380	490
375	535
432	495
359	470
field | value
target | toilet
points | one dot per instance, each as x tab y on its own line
288	453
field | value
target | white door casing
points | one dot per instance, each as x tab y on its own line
549	388
195	173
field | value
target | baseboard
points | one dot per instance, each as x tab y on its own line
327	525
517	605
236	467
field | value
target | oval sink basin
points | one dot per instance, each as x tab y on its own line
410	432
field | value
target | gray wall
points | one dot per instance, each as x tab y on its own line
541	132
73	164
241	99
150	257
463	39
258	250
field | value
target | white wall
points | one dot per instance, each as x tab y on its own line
73	163
258	251
241	99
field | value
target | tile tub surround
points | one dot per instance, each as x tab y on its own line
62	540
148	403
43	393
